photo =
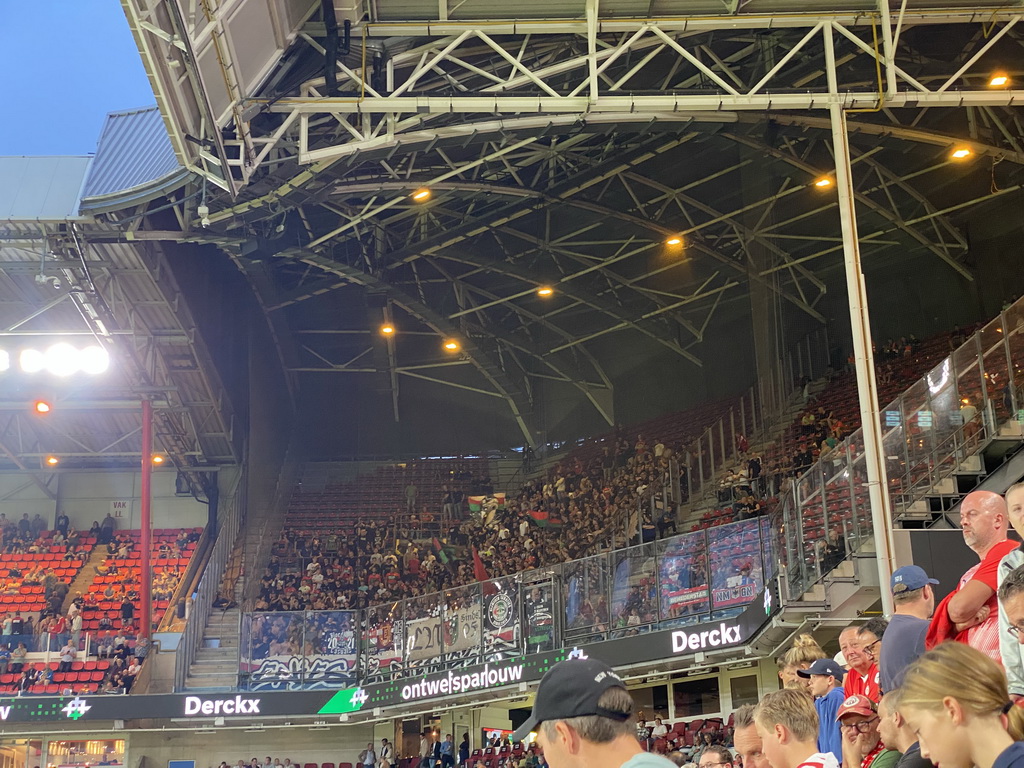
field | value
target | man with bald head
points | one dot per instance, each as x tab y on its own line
970	614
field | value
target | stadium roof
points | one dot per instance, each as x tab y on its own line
562	145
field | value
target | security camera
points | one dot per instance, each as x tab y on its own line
203	211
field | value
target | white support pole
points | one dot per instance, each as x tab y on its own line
874	460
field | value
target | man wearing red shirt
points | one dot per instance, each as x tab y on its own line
862	744
863	678
970	614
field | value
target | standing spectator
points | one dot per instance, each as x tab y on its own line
386	755
464	749
583	715
970	614
1010	651
127	612
788	726
826	678
410	497
67	656
862	746
62	524
426	748
862	677
107	528
746	739
896	733
914	602
969	723
76	628
368	757
447	752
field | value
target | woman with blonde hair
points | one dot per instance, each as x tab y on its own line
805	651
956	700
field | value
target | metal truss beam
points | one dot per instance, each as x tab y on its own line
490	369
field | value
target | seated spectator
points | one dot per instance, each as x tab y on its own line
862	677
788	726
18	657
862	744
897	733
971	723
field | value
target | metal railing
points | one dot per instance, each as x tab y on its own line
929	432
708	575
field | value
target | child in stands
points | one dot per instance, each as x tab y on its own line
788	726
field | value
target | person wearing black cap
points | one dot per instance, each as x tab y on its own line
914	603
826	678
583	717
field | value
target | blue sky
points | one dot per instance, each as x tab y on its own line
66	63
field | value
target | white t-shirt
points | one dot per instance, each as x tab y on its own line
820	760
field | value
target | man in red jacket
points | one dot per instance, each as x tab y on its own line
970	614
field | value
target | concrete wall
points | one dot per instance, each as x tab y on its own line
89	496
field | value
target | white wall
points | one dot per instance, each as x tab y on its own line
18	495
87	496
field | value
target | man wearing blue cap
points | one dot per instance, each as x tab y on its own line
826	678
583	717
914	603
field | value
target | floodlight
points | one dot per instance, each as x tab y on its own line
998	80
31	360
961	153
823	182
451	345
545	290
41	406
158	459
387	329
53	461
62	360
421	195
674	240
94	360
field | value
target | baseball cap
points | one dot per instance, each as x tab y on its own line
823	667
908	578
856	705
571	688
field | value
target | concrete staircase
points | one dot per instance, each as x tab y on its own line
85	576
216	663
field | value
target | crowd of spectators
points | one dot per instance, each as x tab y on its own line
580	508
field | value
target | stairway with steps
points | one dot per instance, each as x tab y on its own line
85	576
216	663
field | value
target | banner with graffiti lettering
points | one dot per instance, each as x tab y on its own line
423	639
502	623
276	650
330	648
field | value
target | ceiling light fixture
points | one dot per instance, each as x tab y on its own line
421	195
823	182
674	240
158	459
451	345
998	80
53	461
545	290
961	153
387	329
41	406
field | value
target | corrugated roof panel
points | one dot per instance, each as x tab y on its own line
40	188
134	150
